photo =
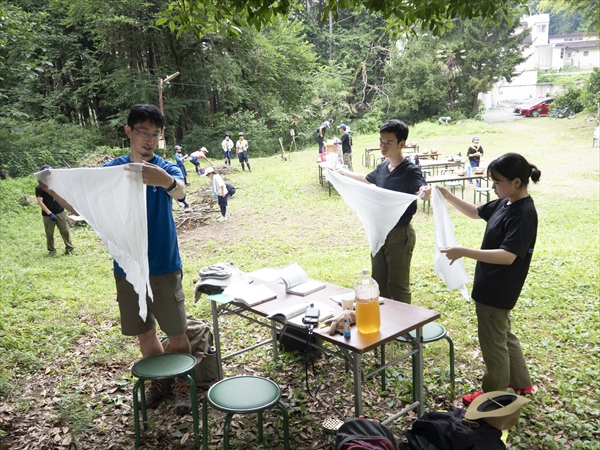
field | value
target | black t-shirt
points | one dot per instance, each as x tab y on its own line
405	178
512	228
472	151
49	201
346	145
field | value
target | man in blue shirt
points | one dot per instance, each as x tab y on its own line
164	182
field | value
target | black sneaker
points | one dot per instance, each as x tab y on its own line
155	391
183	398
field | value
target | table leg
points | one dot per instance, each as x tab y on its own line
418	362
275	343
356	369
217	336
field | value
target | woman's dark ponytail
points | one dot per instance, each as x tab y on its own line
513	165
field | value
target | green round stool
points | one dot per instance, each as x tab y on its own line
481	191
432	332
161	367
243	395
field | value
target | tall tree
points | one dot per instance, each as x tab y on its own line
493	52
416	85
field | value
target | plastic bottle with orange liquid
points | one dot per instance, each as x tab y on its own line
368	318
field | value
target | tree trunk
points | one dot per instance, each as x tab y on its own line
330	36
475	105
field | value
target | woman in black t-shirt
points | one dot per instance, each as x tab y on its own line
502	267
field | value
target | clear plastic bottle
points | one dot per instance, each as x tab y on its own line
468	169
368	318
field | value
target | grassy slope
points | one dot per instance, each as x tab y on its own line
281	214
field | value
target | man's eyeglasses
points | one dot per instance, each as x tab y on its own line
145	135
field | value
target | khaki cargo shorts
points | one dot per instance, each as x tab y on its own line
168	307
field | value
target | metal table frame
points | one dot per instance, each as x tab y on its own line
343	348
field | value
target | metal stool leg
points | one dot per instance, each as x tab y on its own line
286	425
195	413
226	432
136	413
260	427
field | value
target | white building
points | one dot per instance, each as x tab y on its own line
543	51
579	50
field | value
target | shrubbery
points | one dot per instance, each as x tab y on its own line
26	146
581	98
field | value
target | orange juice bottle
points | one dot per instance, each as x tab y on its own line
366	290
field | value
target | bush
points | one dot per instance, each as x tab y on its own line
572	98
591	93
29	145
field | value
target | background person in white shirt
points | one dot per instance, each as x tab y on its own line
219	190
241	148
227	145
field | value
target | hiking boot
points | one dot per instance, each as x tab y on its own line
51	253
183	398
468	398
155	391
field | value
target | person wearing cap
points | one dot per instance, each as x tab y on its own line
53	215
321	134
180	160
241	148
227	145
346	146
390	267
503	262
195	158
219	190
474	153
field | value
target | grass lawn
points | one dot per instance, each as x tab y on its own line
64	372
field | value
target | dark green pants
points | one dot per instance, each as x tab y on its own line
501	349
391	265
63	227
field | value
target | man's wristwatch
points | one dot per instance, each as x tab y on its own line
173	187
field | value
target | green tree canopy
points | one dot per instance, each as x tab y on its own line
200	17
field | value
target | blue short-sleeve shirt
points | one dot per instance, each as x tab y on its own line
163	249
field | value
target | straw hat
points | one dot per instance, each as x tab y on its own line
500	409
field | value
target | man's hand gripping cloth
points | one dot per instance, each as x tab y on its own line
378	209
454	275
113	202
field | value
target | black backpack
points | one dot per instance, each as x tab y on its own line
447	431
363	434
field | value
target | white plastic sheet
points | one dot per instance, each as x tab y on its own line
455	276
378	209
113	201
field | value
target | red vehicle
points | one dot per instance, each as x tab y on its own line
535	108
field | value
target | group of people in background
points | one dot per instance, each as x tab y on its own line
241	149
345	141
219	187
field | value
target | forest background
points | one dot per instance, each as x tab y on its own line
71	69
